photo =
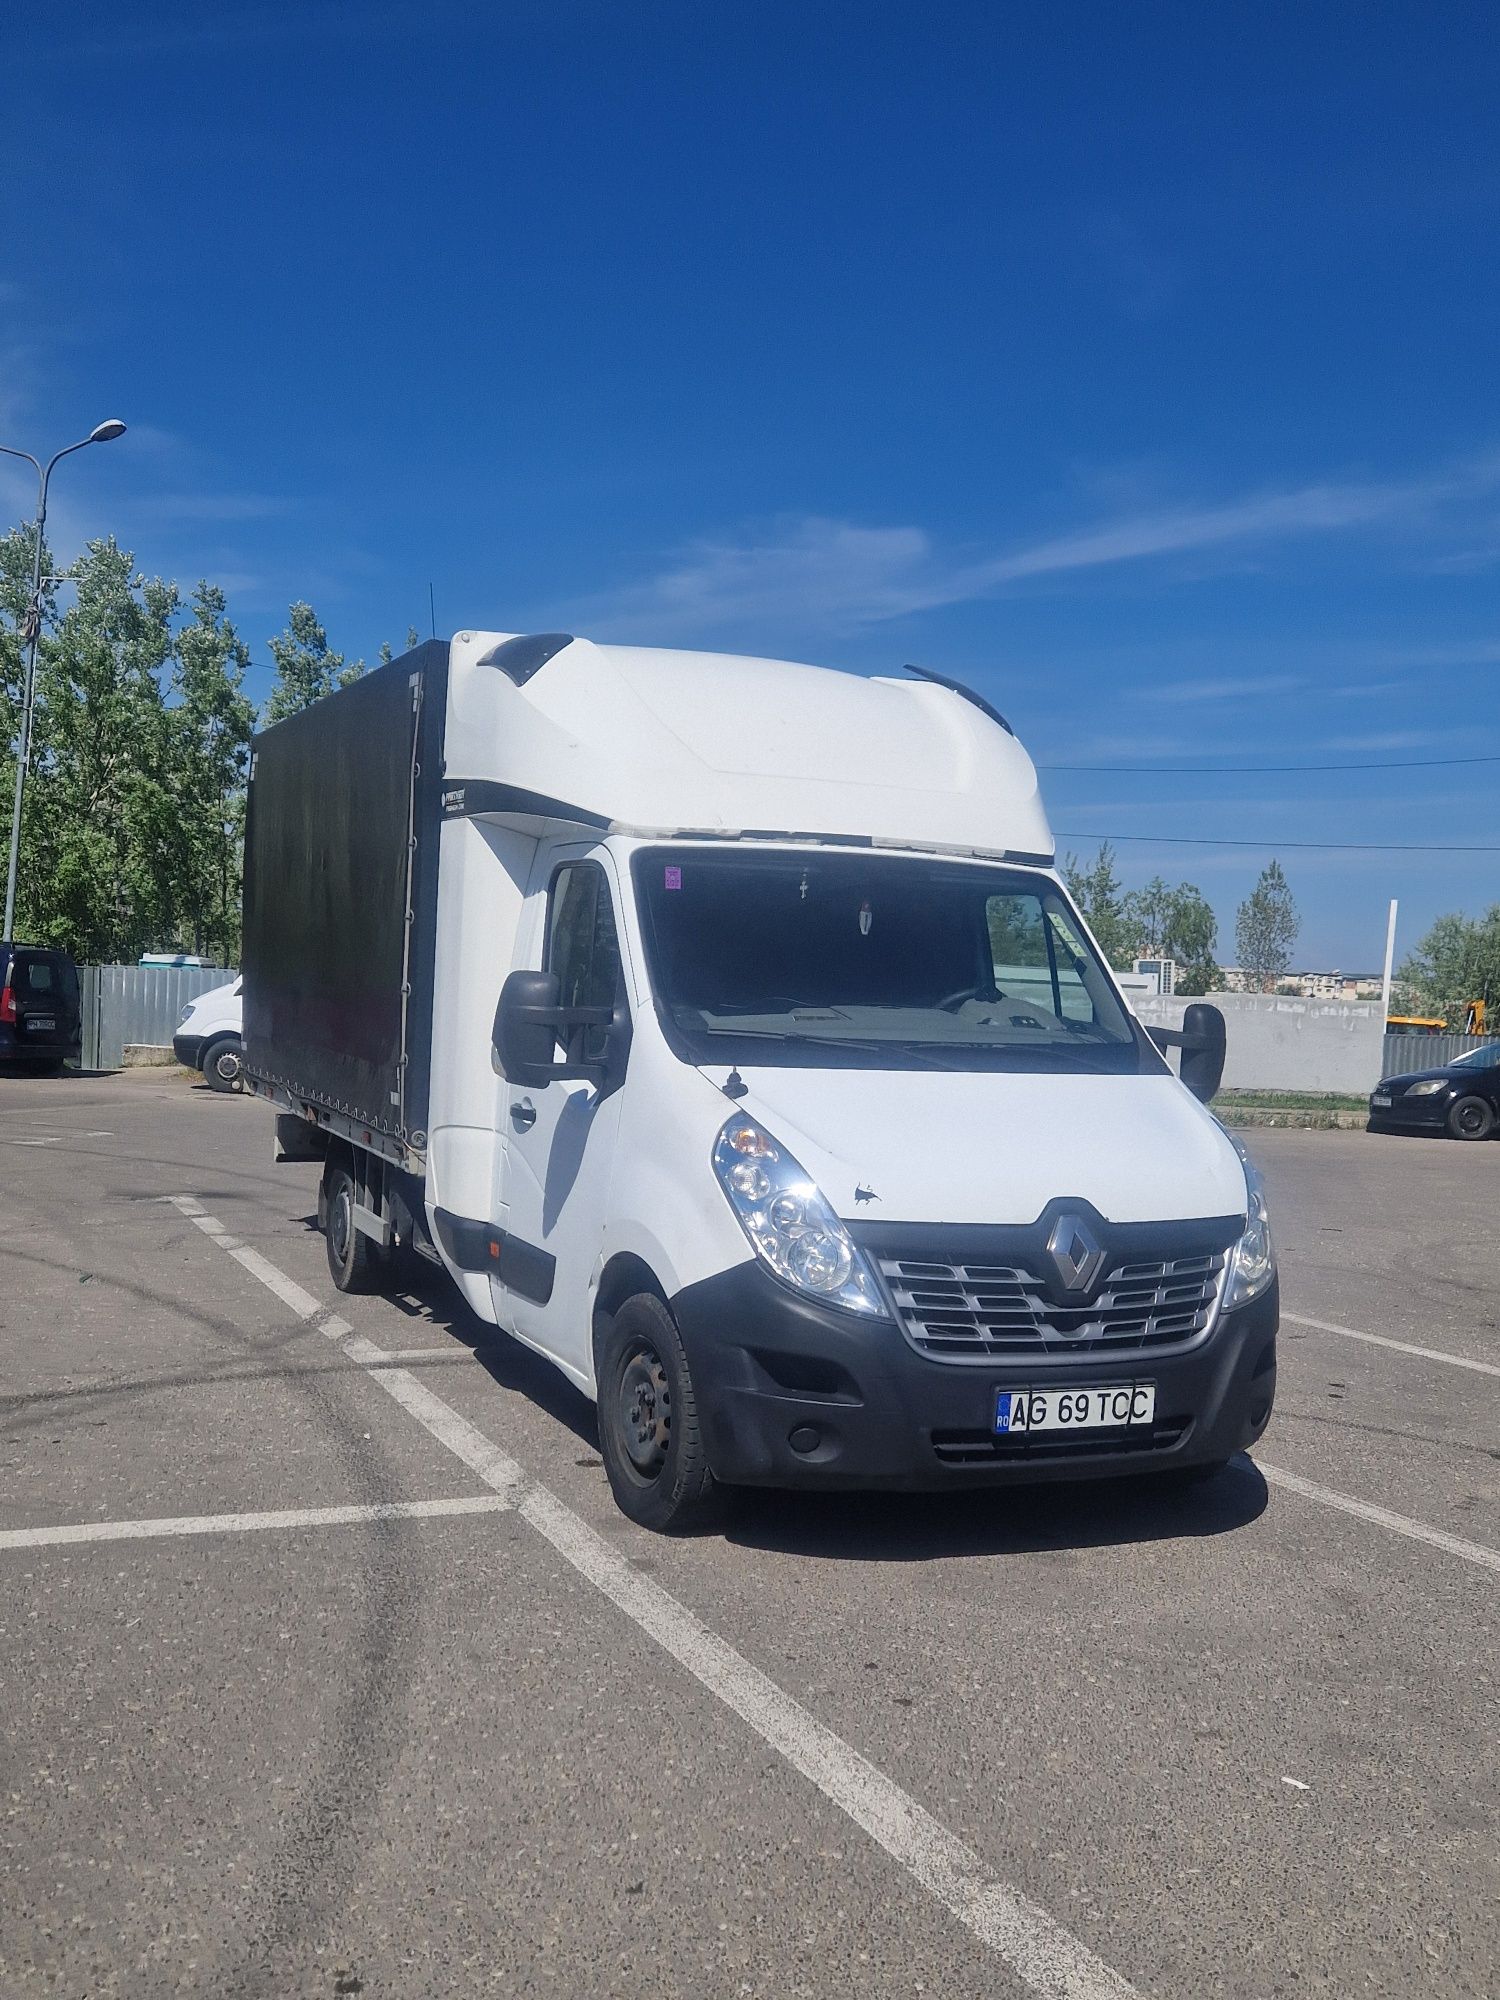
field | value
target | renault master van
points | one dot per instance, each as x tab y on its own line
723	1028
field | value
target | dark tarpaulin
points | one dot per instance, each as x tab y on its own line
331	800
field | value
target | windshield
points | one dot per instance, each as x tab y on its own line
874	960
1485	1058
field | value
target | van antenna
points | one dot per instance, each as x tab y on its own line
431	610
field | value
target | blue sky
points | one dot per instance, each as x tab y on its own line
1136	364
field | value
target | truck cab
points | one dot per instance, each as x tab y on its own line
772	1087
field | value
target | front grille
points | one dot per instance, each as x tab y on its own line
985	1448
958	1312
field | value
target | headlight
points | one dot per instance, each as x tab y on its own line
1254	1255
1428	1089
182	1017
788	1221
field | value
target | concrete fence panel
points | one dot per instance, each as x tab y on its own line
1277	1043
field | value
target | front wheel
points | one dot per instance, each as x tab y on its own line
353	1260
1471	1118
649	1434
223	1065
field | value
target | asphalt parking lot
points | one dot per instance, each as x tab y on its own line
330	1667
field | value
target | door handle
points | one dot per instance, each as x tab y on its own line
522	1114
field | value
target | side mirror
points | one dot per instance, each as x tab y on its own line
1202	1041
528	1021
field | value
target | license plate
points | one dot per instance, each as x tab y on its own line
1118	1408
1380	1103
41	1024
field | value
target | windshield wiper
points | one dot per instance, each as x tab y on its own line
923	1051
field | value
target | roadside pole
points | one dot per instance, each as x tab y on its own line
1390	954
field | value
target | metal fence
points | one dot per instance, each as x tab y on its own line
1404	1053
137	1003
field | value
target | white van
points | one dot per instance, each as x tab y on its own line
210	1036
722	1026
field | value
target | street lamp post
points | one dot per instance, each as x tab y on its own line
32	631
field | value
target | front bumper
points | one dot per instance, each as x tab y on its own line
21	1049
868	1410
1415	1114
188	1050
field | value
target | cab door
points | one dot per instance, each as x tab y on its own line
558	1142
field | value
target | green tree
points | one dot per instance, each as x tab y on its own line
15	595
97	875
1175	920
210	726
1097	892
387	651
307	668
1265	929
1458	961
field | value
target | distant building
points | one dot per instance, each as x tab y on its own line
1310	985
1161	971
1331	985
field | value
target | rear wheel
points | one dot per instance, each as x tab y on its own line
649	1434
223	1064
1471	1118
353	1260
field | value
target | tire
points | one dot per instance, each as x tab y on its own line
354	1263
223	1064
1471	1118
649	1434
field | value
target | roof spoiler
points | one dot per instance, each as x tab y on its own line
958	688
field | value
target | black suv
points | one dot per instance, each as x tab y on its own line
40	1023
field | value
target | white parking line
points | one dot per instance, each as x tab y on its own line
371	1356
303	1304
1382	1517
1034	1945
1045	1956
1401	1346
240	1524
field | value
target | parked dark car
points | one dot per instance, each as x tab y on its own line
40	1024
1462	1098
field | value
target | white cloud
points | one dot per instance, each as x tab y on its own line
1228	687
812	572
809	571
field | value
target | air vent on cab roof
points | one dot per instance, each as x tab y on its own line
519	659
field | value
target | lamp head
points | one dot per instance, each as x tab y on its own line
110	428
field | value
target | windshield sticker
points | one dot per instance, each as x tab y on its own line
673	878
866	918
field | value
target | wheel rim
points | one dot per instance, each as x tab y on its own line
646	1411
228	1066
1471	1118
341	1223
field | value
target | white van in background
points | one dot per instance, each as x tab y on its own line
723	1028
210	1036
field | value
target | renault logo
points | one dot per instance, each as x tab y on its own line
1075	1253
